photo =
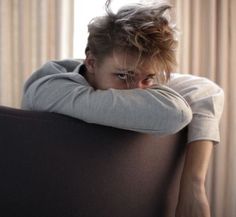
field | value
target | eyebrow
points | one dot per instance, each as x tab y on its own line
132	73
151	75
123	69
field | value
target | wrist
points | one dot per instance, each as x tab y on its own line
192	181
192	187
196	179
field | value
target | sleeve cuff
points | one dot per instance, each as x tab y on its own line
203	128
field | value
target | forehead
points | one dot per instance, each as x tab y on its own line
129	62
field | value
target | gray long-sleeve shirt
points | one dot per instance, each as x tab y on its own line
59	87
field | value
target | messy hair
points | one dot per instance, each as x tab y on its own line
142	29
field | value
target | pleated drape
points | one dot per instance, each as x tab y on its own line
208	48
31	32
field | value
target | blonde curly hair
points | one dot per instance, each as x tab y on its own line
141	29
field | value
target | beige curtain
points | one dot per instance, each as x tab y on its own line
208	48
31	32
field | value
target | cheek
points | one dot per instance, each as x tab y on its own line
104	81
115	83
120	86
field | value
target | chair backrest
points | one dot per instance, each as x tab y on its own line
53	165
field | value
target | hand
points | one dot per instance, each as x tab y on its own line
192	201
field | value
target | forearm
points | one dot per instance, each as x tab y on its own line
197	161
193	200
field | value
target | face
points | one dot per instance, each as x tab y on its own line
119	72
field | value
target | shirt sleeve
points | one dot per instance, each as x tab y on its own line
157	110
206	100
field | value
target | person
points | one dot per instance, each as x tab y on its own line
127	81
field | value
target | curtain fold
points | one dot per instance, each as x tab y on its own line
208	48
31	32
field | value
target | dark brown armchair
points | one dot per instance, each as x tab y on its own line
56	166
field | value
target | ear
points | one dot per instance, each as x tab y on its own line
90	62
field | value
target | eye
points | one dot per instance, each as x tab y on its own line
122	76
149	81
